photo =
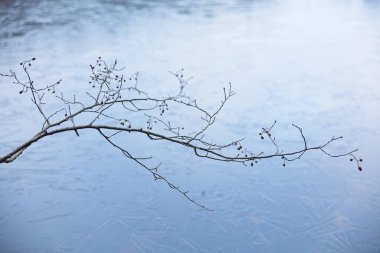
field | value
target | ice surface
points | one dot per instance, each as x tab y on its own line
313	63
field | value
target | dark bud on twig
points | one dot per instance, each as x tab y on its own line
33	59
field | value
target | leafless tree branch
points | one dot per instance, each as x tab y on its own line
111	91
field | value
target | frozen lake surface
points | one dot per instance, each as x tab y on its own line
312	63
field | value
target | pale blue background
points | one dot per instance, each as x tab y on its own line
313	63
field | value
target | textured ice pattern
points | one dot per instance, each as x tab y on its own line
313	63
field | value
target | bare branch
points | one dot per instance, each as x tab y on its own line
108	89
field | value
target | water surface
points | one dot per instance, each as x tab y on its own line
314	63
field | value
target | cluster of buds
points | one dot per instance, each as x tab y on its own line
163	106
126	123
